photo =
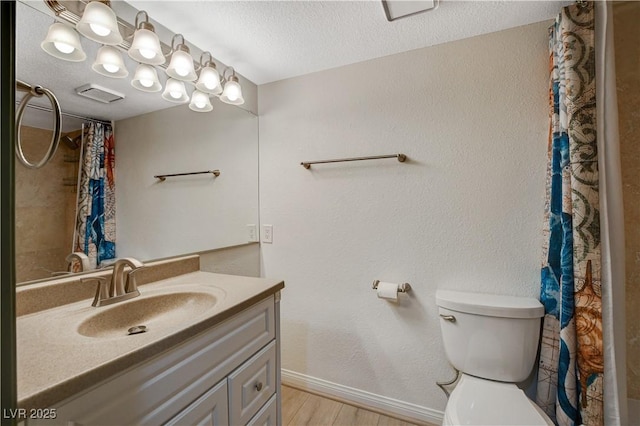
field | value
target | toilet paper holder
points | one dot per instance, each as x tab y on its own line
402	288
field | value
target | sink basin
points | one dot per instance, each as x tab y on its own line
154	312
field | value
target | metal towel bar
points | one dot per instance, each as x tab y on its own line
401	158
162	178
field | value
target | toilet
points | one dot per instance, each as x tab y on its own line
493	341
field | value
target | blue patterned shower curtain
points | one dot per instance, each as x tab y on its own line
95	232
571	370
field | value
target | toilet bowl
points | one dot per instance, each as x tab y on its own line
493	341
477	401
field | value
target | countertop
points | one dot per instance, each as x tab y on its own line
56	362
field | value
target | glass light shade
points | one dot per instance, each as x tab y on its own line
99	23
181	65
174	91
200	102
63	42
146	79
209	81
145	48
232	93
109	63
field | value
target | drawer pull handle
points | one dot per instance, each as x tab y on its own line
449	318
259	386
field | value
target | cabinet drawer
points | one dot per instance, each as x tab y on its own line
267	414
251	385
210	409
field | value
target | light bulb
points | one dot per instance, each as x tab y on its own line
63	47
63	42
146	79
147	53
232	93
99	23
174	91
181	65
200	102
210	84
112	68
100	29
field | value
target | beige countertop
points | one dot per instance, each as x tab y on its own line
56	361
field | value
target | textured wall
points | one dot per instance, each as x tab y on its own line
627	43
465	212
45	207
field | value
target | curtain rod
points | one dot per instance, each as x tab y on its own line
67	114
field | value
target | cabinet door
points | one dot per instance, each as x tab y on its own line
267	415
208	410
251	385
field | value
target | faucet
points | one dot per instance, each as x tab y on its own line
82	260
123	286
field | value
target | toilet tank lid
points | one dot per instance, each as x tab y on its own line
490	304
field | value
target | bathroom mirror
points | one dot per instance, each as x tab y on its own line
154	218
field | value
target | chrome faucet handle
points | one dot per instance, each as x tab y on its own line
102	291
131	285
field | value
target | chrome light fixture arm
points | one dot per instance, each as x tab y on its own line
175	47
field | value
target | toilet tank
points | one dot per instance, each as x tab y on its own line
490	336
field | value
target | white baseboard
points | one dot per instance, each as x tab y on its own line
362	398
633	409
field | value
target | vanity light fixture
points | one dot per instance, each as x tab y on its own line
99	23
109	63
145	47
200	102
174	91
63	42
209	80
181	64
232	93
146	79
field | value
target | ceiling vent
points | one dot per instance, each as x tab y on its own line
396	9
99	93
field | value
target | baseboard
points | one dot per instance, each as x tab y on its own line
360	398
633	409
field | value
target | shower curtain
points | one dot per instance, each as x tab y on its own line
571	372
95	218
577	286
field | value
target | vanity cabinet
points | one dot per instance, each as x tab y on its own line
228	374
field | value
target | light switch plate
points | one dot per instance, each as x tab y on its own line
267	234
252	232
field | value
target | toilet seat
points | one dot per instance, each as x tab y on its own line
477	401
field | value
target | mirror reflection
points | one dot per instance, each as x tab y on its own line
106	203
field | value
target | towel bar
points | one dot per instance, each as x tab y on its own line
162	178
401	158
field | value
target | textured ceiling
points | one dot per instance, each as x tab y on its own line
272	40
264	40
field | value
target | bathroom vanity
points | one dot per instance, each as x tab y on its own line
211	355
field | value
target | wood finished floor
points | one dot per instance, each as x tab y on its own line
305	409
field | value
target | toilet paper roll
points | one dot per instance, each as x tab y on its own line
388	291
